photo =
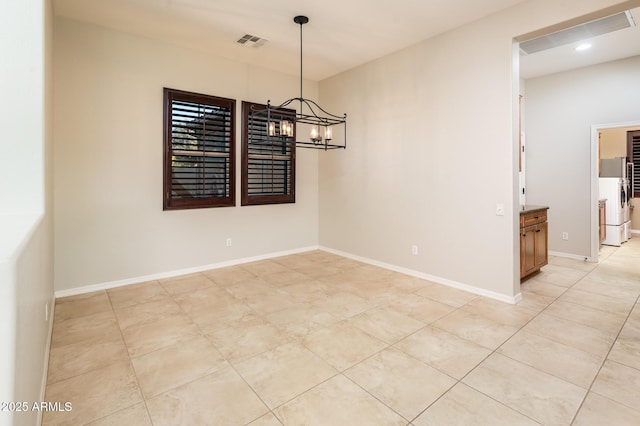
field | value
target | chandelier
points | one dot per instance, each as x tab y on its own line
277	124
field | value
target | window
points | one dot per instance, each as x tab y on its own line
199	153
633	155
268	166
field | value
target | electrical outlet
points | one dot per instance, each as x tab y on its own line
414	249
499	209
228	242
565	236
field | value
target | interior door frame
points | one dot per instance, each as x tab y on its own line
595	188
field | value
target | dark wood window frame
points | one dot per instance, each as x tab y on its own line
199	150
268	170
633	156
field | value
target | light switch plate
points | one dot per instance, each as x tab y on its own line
499	209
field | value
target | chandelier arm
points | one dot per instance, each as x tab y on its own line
308	102
313	107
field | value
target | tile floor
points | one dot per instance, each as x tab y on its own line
316	339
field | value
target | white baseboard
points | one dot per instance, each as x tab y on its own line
169	274
439	280
47	351
635	231
571	256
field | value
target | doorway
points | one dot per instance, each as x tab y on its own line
605	151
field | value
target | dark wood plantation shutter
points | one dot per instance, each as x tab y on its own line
268	165
199	135
633	153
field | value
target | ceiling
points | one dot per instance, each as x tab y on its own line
340	35
604	48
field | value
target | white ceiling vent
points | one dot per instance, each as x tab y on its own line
250	40
580	32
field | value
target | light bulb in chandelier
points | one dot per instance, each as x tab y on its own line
328	133
286	128
315	135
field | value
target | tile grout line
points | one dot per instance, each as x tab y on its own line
460	381
170	296
520	329
229	363
112	311
341	372
605	357
543	310
135	374
457	381
206	336
296	341
604	360
387	347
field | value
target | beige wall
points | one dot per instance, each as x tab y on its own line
432	151
559	143
26	230
34	278
613	142
410	175
109	221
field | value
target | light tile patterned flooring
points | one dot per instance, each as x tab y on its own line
316	339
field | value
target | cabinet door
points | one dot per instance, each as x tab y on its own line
527	250
541	245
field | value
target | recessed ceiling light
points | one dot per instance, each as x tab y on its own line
583	46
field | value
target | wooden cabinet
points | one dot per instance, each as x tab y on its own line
533	241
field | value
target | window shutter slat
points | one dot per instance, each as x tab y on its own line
199	136
268	165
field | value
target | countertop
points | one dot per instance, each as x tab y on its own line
529	208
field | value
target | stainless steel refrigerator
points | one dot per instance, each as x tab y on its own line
620	168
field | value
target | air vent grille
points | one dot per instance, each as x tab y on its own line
251	40
584	31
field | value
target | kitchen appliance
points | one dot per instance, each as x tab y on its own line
619	167
614	167
614	189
